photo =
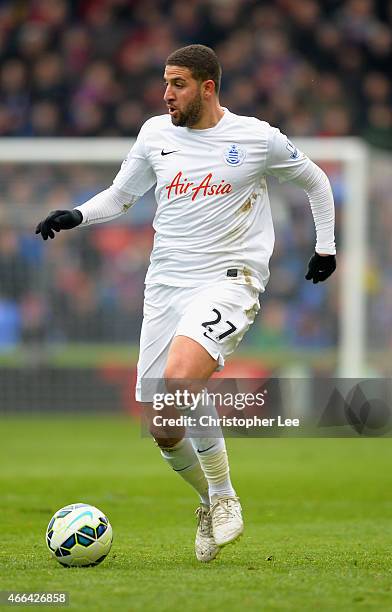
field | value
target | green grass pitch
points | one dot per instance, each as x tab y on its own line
318	519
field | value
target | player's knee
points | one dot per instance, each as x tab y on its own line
178	384
177	378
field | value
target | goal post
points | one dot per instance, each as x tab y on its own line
350	152
353	154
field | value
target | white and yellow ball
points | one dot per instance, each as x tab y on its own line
79	535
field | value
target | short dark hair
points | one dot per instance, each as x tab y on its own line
202	61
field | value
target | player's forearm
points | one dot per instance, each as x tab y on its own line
318	189
106	205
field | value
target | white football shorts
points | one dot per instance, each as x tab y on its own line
216	316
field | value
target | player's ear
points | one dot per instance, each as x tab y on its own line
208	88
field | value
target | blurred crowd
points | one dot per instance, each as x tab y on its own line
94	67
87	285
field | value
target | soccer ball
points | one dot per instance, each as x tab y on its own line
79	535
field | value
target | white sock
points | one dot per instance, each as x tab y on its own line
211	452
184	460
213	459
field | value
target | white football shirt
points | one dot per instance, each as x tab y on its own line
213	212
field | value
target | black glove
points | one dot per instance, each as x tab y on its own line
58	220
320	268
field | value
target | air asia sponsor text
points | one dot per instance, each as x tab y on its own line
181	186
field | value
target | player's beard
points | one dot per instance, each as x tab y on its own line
191	114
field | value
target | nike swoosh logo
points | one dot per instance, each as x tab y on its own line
206	449
182	469
168	152
87	513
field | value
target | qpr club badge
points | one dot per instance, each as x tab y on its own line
234	155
